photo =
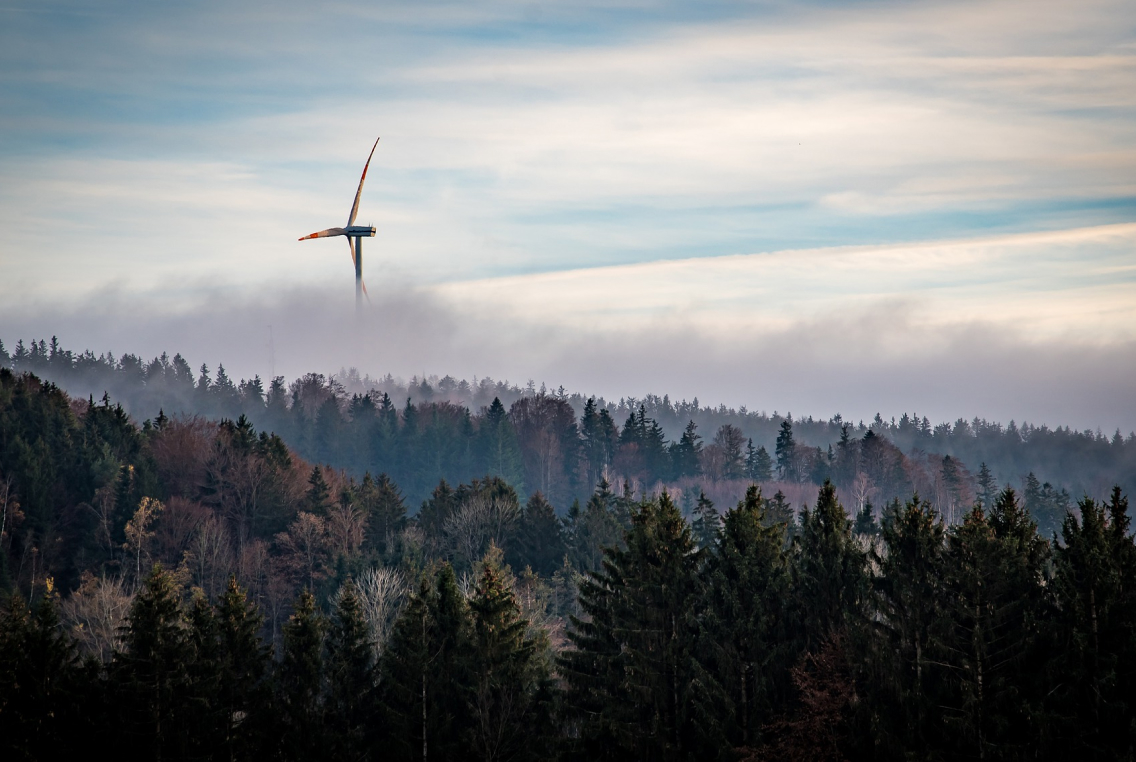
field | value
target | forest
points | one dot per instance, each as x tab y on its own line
309	572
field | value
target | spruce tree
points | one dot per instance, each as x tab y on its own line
151	675
987	487
244	660
539	539
785	449
635	687
349	699
743	639
300	674
706	524
318	499
908	631
995	587
687	453
425	674
509	701
762	469
1094	666
829	571
44	691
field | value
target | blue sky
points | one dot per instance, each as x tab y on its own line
743	181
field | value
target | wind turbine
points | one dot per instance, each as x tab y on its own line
358	232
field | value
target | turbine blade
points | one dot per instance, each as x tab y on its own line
365	289
358	193
324	233
351	245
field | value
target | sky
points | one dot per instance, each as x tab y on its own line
814	208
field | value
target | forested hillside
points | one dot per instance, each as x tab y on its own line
198	590
560	444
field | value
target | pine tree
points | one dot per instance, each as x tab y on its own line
995	588
761	465
244	661
778	511
434	512
385	510
866	525
987	487
687	453
589	531
42	685
318	499
497	440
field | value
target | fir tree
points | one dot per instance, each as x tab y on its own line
318	499
687	453
987	487
42	685
995	587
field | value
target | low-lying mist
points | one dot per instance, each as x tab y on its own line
882	357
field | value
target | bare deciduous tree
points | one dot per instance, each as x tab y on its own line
96	612
479	522
382	592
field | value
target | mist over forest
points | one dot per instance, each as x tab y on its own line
429	429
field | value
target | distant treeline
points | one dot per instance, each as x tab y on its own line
561	444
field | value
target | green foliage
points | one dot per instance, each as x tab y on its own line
299	683
744	639
539	542
829	574
1094	664
634	684
44	692
910	630
425	673
349	669
151	677
510	697
706	524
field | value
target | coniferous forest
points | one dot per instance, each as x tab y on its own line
344	568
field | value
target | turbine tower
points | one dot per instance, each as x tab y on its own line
358	232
